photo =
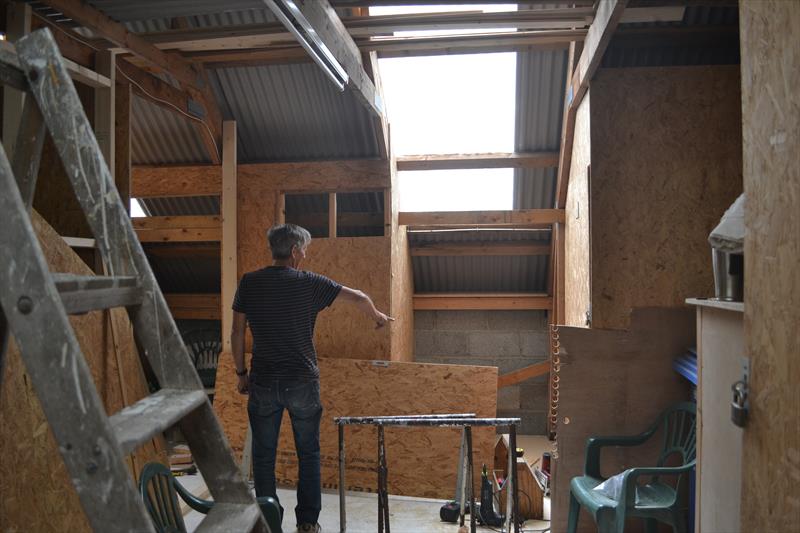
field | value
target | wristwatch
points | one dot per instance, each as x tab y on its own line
242	373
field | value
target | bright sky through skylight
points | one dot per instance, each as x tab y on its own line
451	104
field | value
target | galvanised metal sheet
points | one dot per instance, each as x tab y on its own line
541	80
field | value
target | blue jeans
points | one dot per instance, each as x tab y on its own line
265	409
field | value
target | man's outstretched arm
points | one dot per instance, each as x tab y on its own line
364	303
237	345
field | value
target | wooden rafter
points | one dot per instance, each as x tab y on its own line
609	13
476	249
178	229
477	301
194	306
515	218
477	161
191	75
523	374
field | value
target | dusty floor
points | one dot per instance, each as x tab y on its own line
407	515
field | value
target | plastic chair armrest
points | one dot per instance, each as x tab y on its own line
595	444
201	506
628	494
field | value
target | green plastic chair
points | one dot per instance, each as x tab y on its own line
159	490
654	501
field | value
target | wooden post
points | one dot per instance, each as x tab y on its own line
18	23
104	127
122	142
280	209
332	215
229	212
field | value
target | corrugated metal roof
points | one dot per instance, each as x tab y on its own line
292	112
479	273
128	10
180	206
190	275
160	137
541	78
709	37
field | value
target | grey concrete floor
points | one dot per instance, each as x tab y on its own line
407	515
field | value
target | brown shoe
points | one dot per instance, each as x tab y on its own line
309	528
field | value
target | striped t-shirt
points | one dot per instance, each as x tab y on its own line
281	306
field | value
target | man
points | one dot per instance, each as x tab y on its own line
281	303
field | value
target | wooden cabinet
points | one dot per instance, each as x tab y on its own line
720	351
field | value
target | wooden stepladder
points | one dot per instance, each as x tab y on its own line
36	302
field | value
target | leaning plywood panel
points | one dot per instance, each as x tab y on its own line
770	35
666	163
422	461
614	382
37	492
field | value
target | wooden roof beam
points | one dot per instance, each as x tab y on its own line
330	30
482	301
477	161
609	13
267	34
515	218
191	75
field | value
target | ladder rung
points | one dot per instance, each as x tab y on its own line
150	416
227	517
81	294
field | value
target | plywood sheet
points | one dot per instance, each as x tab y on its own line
770	115
422	461
358	262
401	331
615	383
666	164
37	492
577	267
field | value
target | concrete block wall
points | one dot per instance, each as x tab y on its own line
506	339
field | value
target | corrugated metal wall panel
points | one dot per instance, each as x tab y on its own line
480	274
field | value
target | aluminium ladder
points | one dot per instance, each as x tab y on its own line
36	303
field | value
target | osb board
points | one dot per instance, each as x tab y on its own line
577	267
360	263
421	461
615	382
402	303
319	175
666	164
37	492
771	114
357	262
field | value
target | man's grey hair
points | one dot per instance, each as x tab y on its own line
283	237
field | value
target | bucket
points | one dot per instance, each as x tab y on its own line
728	275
